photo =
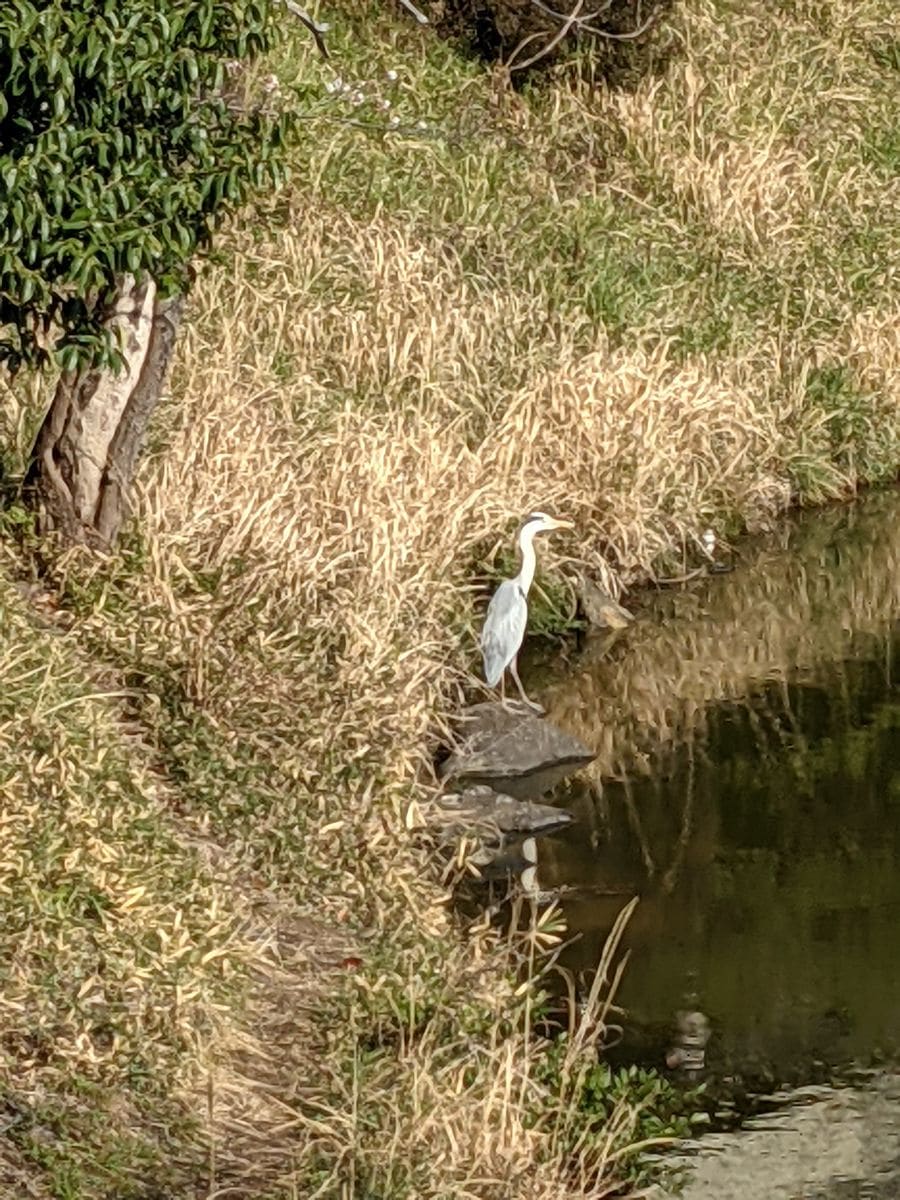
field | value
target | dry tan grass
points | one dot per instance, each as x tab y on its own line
461	1125
118	944
358	527
755	189
872	347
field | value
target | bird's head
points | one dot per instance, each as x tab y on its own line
541	522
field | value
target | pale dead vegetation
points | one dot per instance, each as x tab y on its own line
140	964
357	529
366	545
718	134
640	450
752	187
460	1123
872	347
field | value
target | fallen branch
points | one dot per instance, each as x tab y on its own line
416	12
574	21
570	20
317	28
584	23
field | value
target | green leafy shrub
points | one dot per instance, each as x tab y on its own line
661	1114
126	135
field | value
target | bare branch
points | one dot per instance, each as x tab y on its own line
416	12
577	22
619	37
551	12
548	46
317	28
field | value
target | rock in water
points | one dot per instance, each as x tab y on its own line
512	751
479	807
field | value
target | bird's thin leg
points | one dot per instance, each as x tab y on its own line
504	703
515	675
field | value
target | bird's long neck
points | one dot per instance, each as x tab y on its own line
529	559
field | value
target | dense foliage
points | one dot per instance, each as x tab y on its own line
123	140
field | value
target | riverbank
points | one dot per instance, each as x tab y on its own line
653	311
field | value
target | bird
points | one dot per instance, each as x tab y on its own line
507	614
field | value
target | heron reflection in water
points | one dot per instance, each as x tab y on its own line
507	614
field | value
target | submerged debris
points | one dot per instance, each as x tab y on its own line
599	607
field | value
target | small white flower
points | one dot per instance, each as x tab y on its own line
394	121
708	538
384	105
346	88
356	99
391	75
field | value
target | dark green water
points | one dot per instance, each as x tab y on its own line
767	857
747	789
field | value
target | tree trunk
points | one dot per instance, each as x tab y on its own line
86	451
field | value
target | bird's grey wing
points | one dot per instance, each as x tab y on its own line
504	628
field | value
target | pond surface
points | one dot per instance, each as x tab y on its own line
747	788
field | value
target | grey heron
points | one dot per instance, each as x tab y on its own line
507	614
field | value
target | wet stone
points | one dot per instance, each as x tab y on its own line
512	751
480	806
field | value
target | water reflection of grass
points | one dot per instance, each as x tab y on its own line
750	796
795	601
767	857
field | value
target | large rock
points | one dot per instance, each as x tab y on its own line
512	751
480	809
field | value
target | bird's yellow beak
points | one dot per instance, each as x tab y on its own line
563	524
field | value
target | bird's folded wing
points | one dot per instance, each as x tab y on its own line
504	629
